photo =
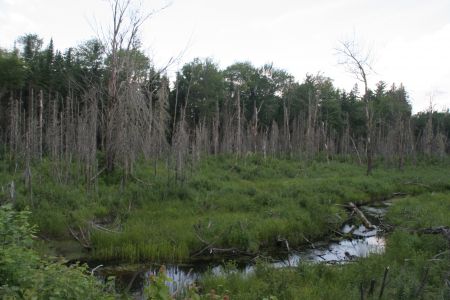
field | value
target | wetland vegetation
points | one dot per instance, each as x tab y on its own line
107	160
248	206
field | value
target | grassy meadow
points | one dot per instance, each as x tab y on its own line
247	204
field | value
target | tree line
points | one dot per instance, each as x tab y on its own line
104	105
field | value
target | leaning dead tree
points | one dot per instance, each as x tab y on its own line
358	63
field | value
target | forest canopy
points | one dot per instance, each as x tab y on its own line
111	98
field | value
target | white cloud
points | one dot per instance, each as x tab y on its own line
411	37
422	64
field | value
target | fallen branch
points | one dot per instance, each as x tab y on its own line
417	183
440	254
444	230
233	251
141	181
208	244
312	245
98	174
201	239
96	226
202	250
95	269
80	239
361	215
398	194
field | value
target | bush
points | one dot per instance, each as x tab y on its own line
24	275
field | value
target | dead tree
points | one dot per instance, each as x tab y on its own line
286	129
427	136
215	129
124	100
311	128
358	63
254	126
238	143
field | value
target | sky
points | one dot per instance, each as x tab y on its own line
409	39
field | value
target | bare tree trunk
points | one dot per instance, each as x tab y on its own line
216	122
358	64
286	129
238	142
369	146
41	123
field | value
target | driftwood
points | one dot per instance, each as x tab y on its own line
211	249
361	215
95	269
99	227
81	237
310	243
214	250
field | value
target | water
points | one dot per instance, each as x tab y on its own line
362	243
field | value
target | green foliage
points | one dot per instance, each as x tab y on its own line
200	86
12	71
24	275
14	227
157	289
246	204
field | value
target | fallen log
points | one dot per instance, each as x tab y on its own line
444	230
361	216
209	250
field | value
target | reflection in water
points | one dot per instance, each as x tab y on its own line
366	243
362	243
346	250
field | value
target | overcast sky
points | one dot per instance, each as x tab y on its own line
410	39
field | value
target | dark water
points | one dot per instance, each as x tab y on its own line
361	243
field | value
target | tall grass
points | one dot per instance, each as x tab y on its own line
418	264
247	203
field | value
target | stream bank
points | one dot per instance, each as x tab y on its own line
354	240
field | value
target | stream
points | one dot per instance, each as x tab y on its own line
352	242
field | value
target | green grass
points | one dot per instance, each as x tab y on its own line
408	256
246	204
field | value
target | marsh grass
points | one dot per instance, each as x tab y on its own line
247	204
408	256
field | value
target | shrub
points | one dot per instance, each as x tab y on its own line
24	275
